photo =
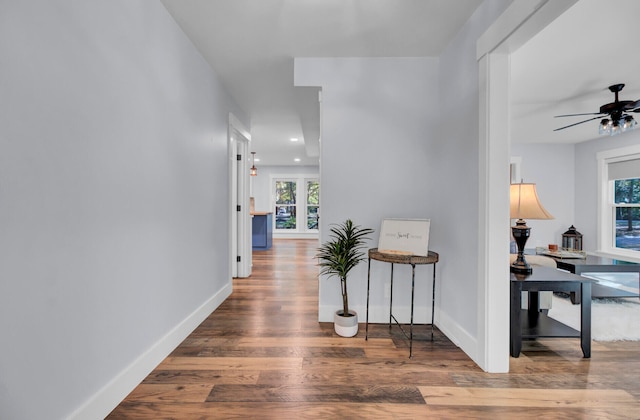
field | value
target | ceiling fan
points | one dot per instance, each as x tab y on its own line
616	114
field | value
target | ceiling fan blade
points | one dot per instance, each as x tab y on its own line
577	115
567	126
634	105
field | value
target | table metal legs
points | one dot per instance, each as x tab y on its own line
433	299
413	288
391	298
585	319
392	318
366	325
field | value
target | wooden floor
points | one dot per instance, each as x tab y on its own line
262	354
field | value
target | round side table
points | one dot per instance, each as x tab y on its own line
413	260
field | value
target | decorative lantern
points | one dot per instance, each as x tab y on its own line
572	239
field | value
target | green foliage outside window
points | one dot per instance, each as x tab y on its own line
627	213
313	200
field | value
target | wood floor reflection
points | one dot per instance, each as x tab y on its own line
262	354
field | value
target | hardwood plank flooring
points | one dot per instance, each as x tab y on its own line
262	354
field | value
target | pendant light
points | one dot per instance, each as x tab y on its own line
253	171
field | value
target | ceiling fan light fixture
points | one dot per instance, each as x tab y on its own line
618	120
629	123
616	128
605	126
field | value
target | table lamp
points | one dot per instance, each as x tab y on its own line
524	205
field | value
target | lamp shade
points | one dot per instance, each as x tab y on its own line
525	203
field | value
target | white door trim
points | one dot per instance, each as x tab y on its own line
519	23
239	221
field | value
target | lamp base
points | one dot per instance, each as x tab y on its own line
521	233
521	268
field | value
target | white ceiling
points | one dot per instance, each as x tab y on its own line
251	45
568	67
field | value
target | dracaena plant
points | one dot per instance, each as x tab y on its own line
341	253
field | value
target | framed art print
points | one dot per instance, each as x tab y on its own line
405	236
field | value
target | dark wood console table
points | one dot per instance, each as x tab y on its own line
532	323
596	264
413	260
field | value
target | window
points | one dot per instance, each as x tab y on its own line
313	203
297	204
627	213
286	204
620	202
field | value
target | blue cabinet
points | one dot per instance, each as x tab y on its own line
262	236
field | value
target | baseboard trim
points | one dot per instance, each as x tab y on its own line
301	235
457	335
108	398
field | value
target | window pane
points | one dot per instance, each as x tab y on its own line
313	199
627	191
313	192
285	217
285	192
312	217
628	228
285	204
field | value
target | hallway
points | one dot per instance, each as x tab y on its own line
262	354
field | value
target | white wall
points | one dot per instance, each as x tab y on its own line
551	167
393	146
454	163
378	119
567	185
586	186
113	200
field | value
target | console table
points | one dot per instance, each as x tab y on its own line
532	323
413	260
596	264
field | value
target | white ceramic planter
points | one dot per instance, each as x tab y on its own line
345	326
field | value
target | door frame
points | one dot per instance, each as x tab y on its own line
522	20
239	140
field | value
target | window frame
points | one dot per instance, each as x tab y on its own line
301	203
606	202
294	205
307	205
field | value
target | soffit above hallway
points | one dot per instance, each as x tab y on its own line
251	45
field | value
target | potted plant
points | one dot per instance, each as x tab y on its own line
342	252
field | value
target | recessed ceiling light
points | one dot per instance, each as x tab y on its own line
296	160
257	159
294	139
